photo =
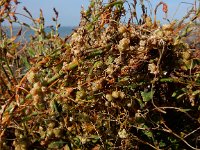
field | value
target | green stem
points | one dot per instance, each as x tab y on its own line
61	73
106	7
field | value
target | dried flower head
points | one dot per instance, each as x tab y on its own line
31	77
123	44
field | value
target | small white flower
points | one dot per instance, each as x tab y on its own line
31	77
96	85
153	68
142	43
37	85
123	44
122	95
118	60
129	104
123	134
165	72
71	119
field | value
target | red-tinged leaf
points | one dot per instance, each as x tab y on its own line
165	8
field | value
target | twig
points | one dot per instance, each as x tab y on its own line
176	135
98	135
141	141
191	132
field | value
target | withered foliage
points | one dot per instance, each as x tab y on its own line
111	84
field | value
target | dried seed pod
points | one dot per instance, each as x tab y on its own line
33	91
109	97
97	85
129	104
31	77
186	55
107	103
153	68
122	29
58	132
51	124
20	145
115	94
159	33
37	85
118	61
110	70
38	102
36	99
49	133
80	94
123	44
123	134
122	95
148	22
142	43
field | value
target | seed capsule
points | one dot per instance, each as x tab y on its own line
115	94
186	55
129	105
31	77
109	97
122	95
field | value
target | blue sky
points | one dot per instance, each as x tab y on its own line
69	10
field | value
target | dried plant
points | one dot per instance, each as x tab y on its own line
111	84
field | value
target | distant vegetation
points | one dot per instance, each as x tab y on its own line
113	83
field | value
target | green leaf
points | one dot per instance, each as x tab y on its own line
94	138
147	96
162	144
181	95
56	144
174	94
97	64
31	52
184	110
77	141
166	80
109	60
196	92
94	53
26	63
147	132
